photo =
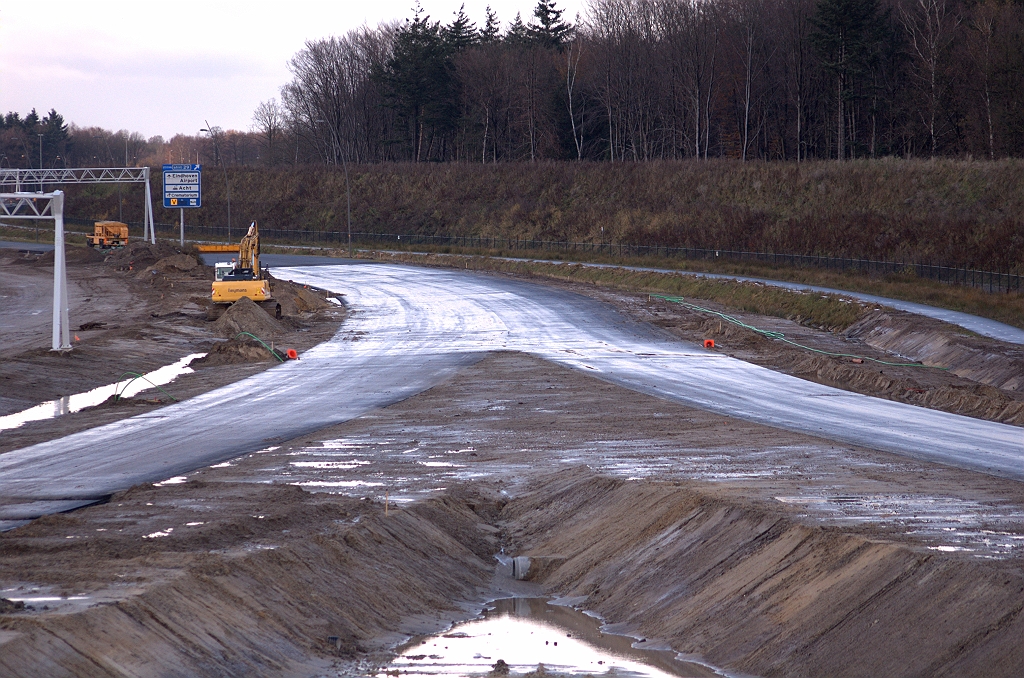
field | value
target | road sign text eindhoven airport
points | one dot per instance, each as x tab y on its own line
183	186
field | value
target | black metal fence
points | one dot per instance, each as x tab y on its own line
990	281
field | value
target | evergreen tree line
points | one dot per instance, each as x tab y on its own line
663	79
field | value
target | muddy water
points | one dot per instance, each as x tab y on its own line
126	388
525	633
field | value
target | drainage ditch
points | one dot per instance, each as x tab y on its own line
518	636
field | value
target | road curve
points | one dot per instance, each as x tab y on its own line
411	328
977	324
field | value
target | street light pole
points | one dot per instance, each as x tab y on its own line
227	184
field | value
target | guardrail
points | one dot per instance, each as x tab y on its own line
990	281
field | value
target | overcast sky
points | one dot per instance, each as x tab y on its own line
164	67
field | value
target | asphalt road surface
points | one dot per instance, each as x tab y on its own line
411	328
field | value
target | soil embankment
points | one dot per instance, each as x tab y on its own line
290	581
932	342
744	588
958	373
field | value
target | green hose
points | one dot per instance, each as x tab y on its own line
135	375
782	337
272	351
117	395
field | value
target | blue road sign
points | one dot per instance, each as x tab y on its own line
183	186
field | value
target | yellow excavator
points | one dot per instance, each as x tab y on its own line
246	279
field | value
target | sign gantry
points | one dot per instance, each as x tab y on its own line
24	179
46	206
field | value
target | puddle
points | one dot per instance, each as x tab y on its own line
353	463
176	480
337	483
79	401
527	632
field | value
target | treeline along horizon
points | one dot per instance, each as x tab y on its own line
669	79
629	80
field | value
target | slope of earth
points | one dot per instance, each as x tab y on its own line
758	550
958	373
132	310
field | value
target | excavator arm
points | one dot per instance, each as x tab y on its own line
249	250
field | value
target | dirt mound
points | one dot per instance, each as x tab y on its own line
138	255
236	352
245	315
297	299
73	255
177	262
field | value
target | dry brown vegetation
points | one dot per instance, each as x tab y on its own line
950	212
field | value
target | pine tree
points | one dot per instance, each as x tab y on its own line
548	29
846	36
492	27
421	82
55	136
461	33
517	32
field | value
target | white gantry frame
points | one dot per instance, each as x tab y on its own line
46	206
21	179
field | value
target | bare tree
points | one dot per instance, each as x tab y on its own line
333	101
749	22
268	122
983	28
702	31
929	25
573	52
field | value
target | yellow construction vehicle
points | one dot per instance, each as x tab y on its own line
108	234
246	279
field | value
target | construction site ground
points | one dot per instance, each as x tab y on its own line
753	549
133	311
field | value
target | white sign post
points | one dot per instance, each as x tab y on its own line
60	278
183	188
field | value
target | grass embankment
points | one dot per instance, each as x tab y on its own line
951	212
42	235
